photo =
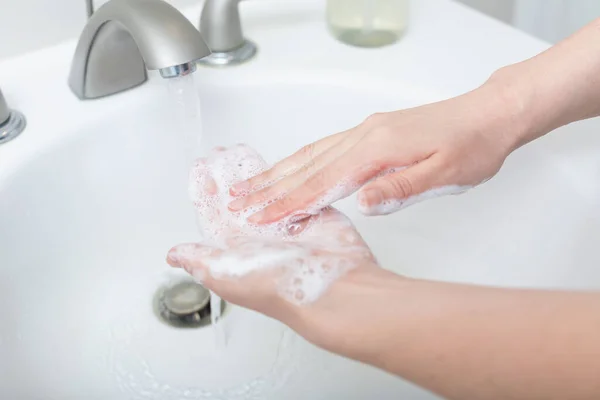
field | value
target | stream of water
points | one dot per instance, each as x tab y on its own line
185	99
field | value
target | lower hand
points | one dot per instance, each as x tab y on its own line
298	274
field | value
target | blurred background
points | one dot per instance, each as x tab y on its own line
31	24
549	20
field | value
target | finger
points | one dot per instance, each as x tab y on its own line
333	182
275	191
194	258
285	166
201	182
395	191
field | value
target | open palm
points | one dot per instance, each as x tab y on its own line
265	268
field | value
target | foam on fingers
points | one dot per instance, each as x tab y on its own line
389	206
313	252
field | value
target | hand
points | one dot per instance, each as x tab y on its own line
397	158
286	272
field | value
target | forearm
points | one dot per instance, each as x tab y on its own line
468	342
556	87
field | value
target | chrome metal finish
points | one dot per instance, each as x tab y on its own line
236	56
184	304
4	110
178	70
12	122
123	38
186	297
12	127
89	7
221	27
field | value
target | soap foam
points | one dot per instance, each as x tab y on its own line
210	180
303	270
307	255
337	192
390	206
342	189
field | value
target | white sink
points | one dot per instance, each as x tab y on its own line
93	194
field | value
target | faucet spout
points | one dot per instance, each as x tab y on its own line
123	38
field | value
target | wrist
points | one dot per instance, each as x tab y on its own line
354	313
511	99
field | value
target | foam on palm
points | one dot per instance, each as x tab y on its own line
308	255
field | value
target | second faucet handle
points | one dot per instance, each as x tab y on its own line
221	28
12	122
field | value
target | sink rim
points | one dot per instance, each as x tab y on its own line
43	96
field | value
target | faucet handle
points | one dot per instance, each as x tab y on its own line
12	122
89	8
4	110
221	28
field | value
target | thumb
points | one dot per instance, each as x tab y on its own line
194	258
392	192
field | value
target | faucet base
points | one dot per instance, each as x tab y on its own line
233	57
12	127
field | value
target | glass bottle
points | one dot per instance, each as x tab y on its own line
367	23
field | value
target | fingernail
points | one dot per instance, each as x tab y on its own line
240	188
237	204
370	197
173	258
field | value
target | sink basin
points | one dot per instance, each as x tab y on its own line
93	195
98	214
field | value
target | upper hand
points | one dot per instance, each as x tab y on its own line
393	158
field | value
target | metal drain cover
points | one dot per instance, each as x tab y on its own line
186	298
185	304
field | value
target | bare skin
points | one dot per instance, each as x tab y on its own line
461	141
461	341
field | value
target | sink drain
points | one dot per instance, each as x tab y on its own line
184	305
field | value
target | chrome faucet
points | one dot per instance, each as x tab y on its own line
123	38
12	122
221	27
89	7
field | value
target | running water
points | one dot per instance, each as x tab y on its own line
185	99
